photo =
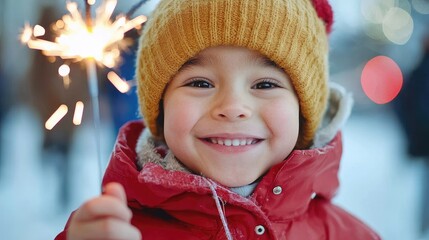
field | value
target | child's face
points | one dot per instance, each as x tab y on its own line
230	114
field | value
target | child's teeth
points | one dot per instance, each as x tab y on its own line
233	142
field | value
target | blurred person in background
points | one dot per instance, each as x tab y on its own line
412	108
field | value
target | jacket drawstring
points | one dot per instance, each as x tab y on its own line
219	208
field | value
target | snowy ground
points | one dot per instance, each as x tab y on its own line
378	183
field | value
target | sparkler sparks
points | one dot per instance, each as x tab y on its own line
56	117
76	40
118	82
78	111
64	71
95	41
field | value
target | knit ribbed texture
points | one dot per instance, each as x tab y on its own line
289	32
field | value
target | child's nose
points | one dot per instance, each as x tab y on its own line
231	108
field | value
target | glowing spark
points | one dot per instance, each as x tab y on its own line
39	31
78	112
64	70
56	117
26	34
91	2
74	39
59	24
118	82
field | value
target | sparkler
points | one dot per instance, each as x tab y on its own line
96	41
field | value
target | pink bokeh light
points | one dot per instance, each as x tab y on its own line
381	79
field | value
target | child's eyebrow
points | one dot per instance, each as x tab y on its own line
191	62
201	60
267	62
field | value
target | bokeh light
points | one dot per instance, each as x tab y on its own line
381	79
375	11
388	20
421	6
398	26
405	5
375	31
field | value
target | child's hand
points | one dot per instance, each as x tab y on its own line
104	217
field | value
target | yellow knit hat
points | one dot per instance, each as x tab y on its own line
292	33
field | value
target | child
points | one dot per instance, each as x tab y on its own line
233	93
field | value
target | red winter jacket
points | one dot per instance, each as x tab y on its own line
292	201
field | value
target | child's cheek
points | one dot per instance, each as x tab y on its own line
282	118
180	115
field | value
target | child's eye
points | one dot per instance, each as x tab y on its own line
199	83
265	84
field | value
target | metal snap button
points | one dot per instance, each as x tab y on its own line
277	190
259	229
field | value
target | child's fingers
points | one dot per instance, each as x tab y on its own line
103	206
115	190
104	228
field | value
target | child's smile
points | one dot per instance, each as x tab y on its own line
230	114
232	143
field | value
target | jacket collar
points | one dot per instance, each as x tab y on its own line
302	174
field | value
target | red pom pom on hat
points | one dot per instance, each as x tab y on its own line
324	11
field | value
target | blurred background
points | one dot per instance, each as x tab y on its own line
46	174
